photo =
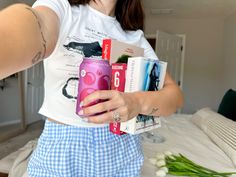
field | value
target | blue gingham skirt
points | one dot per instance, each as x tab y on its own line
69	151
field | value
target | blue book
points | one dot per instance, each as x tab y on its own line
143	74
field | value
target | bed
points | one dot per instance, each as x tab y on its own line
197	136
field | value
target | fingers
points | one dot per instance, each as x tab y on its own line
103	112
99	108
99	95
108	116
114	98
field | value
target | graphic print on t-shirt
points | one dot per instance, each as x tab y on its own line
85	49
93	49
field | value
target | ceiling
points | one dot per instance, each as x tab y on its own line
181	8
191	8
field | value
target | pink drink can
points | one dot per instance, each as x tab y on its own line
94	74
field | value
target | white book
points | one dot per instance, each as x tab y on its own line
143	74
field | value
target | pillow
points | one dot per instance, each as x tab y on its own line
227	106
220	130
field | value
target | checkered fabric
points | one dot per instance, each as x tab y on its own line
69	151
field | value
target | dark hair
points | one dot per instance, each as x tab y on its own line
129	13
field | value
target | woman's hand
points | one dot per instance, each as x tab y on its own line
118	105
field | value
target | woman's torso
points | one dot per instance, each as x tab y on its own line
82	31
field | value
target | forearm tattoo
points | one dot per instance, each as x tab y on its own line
40	54
154	110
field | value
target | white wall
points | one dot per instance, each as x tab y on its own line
229	52
203	59
5	3
10	111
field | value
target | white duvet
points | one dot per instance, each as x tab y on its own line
182	136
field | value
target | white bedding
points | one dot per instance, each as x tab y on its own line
182	136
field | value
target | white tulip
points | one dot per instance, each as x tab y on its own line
152	161
160	163
164	169
160	156
160	173
168	153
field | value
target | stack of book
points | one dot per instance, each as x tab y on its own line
117	53
142	74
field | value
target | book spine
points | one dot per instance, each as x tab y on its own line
133	74
133	80
118	83
106	49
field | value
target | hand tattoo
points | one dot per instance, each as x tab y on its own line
154	110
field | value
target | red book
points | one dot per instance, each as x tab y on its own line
117	53
117	83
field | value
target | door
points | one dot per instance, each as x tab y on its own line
169	48
34	92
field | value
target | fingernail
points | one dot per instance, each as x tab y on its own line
81	104
81	112
85	119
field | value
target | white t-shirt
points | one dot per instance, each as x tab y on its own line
79	26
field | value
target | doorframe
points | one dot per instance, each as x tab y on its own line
183	36
25	84
22	99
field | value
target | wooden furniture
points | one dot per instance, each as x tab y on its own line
3	175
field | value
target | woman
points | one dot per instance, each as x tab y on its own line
61	32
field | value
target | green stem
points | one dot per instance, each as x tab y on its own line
180	166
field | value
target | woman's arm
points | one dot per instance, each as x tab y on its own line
158	103
27	36
163	102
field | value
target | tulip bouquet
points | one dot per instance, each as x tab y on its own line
179	165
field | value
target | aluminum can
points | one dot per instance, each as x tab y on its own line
94	74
